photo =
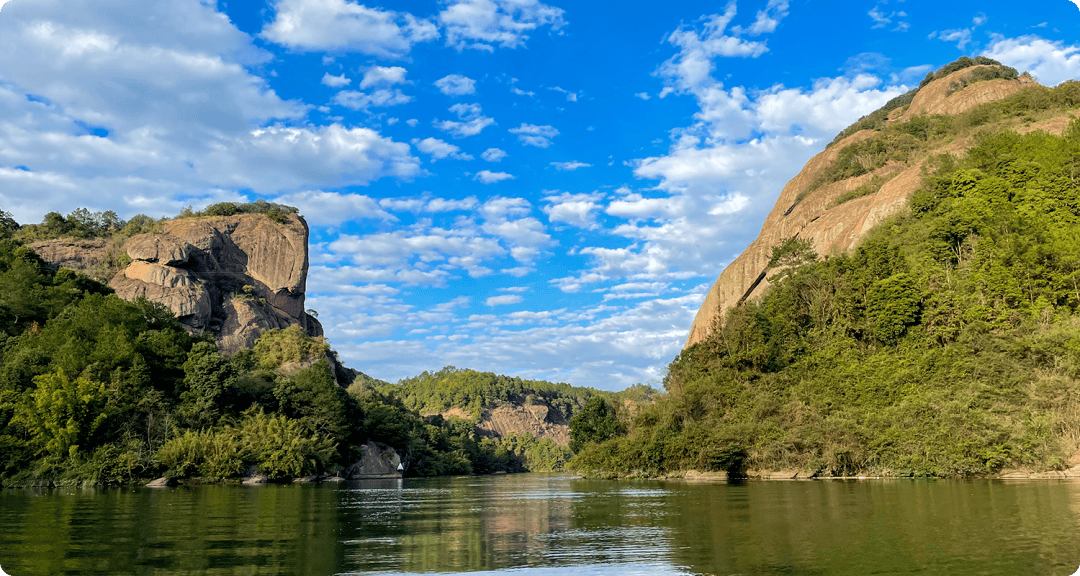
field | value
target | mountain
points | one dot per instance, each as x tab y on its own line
836	214
911	307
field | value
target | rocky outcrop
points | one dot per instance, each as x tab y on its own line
537	419
375	461
90	257
812	215
232	276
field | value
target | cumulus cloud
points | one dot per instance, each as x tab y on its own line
575	209
377	99
692	67
177	118
456	85
383	76
722	173
503	300
483	24
335	81
767	19
570	166
335	208
489	177
343	26
439	149
1051	62
533	135
493	155
470	121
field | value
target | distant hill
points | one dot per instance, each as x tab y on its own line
499	405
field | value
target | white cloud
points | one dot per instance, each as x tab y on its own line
377	99
503	300
472	121
570	96
881	19
692	67
489	177
642	95
339	25
481	24
1050	62
570	166
493	155
961	36
335	81
419	255
180	119
533	135
767	19
334	208
456	85
439	149
575	209
445	205
383	76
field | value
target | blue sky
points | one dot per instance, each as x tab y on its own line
538	189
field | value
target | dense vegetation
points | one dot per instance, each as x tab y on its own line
947	343
276	212
471	391
94	389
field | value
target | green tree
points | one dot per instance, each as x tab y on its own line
892	305
595	422
62	414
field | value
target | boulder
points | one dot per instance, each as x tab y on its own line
158	248
231	276
376	461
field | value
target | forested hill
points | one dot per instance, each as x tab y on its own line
95	389
946	343
471	391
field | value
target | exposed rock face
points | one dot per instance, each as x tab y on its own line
233	276
375	462
86	256
539	420
834	229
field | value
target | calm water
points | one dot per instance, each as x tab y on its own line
540	525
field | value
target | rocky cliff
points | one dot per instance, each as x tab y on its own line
811	213
231	276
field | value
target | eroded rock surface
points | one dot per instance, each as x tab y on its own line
89	257
376	461
832	229
232	276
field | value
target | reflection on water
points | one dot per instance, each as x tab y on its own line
542	525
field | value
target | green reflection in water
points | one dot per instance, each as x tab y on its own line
542	525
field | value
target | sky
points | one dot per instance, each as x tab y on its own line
540	189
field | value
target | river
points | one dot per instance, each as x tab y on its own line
542	525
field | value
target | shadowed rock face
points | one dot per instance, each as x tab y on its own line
834	229
232	276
